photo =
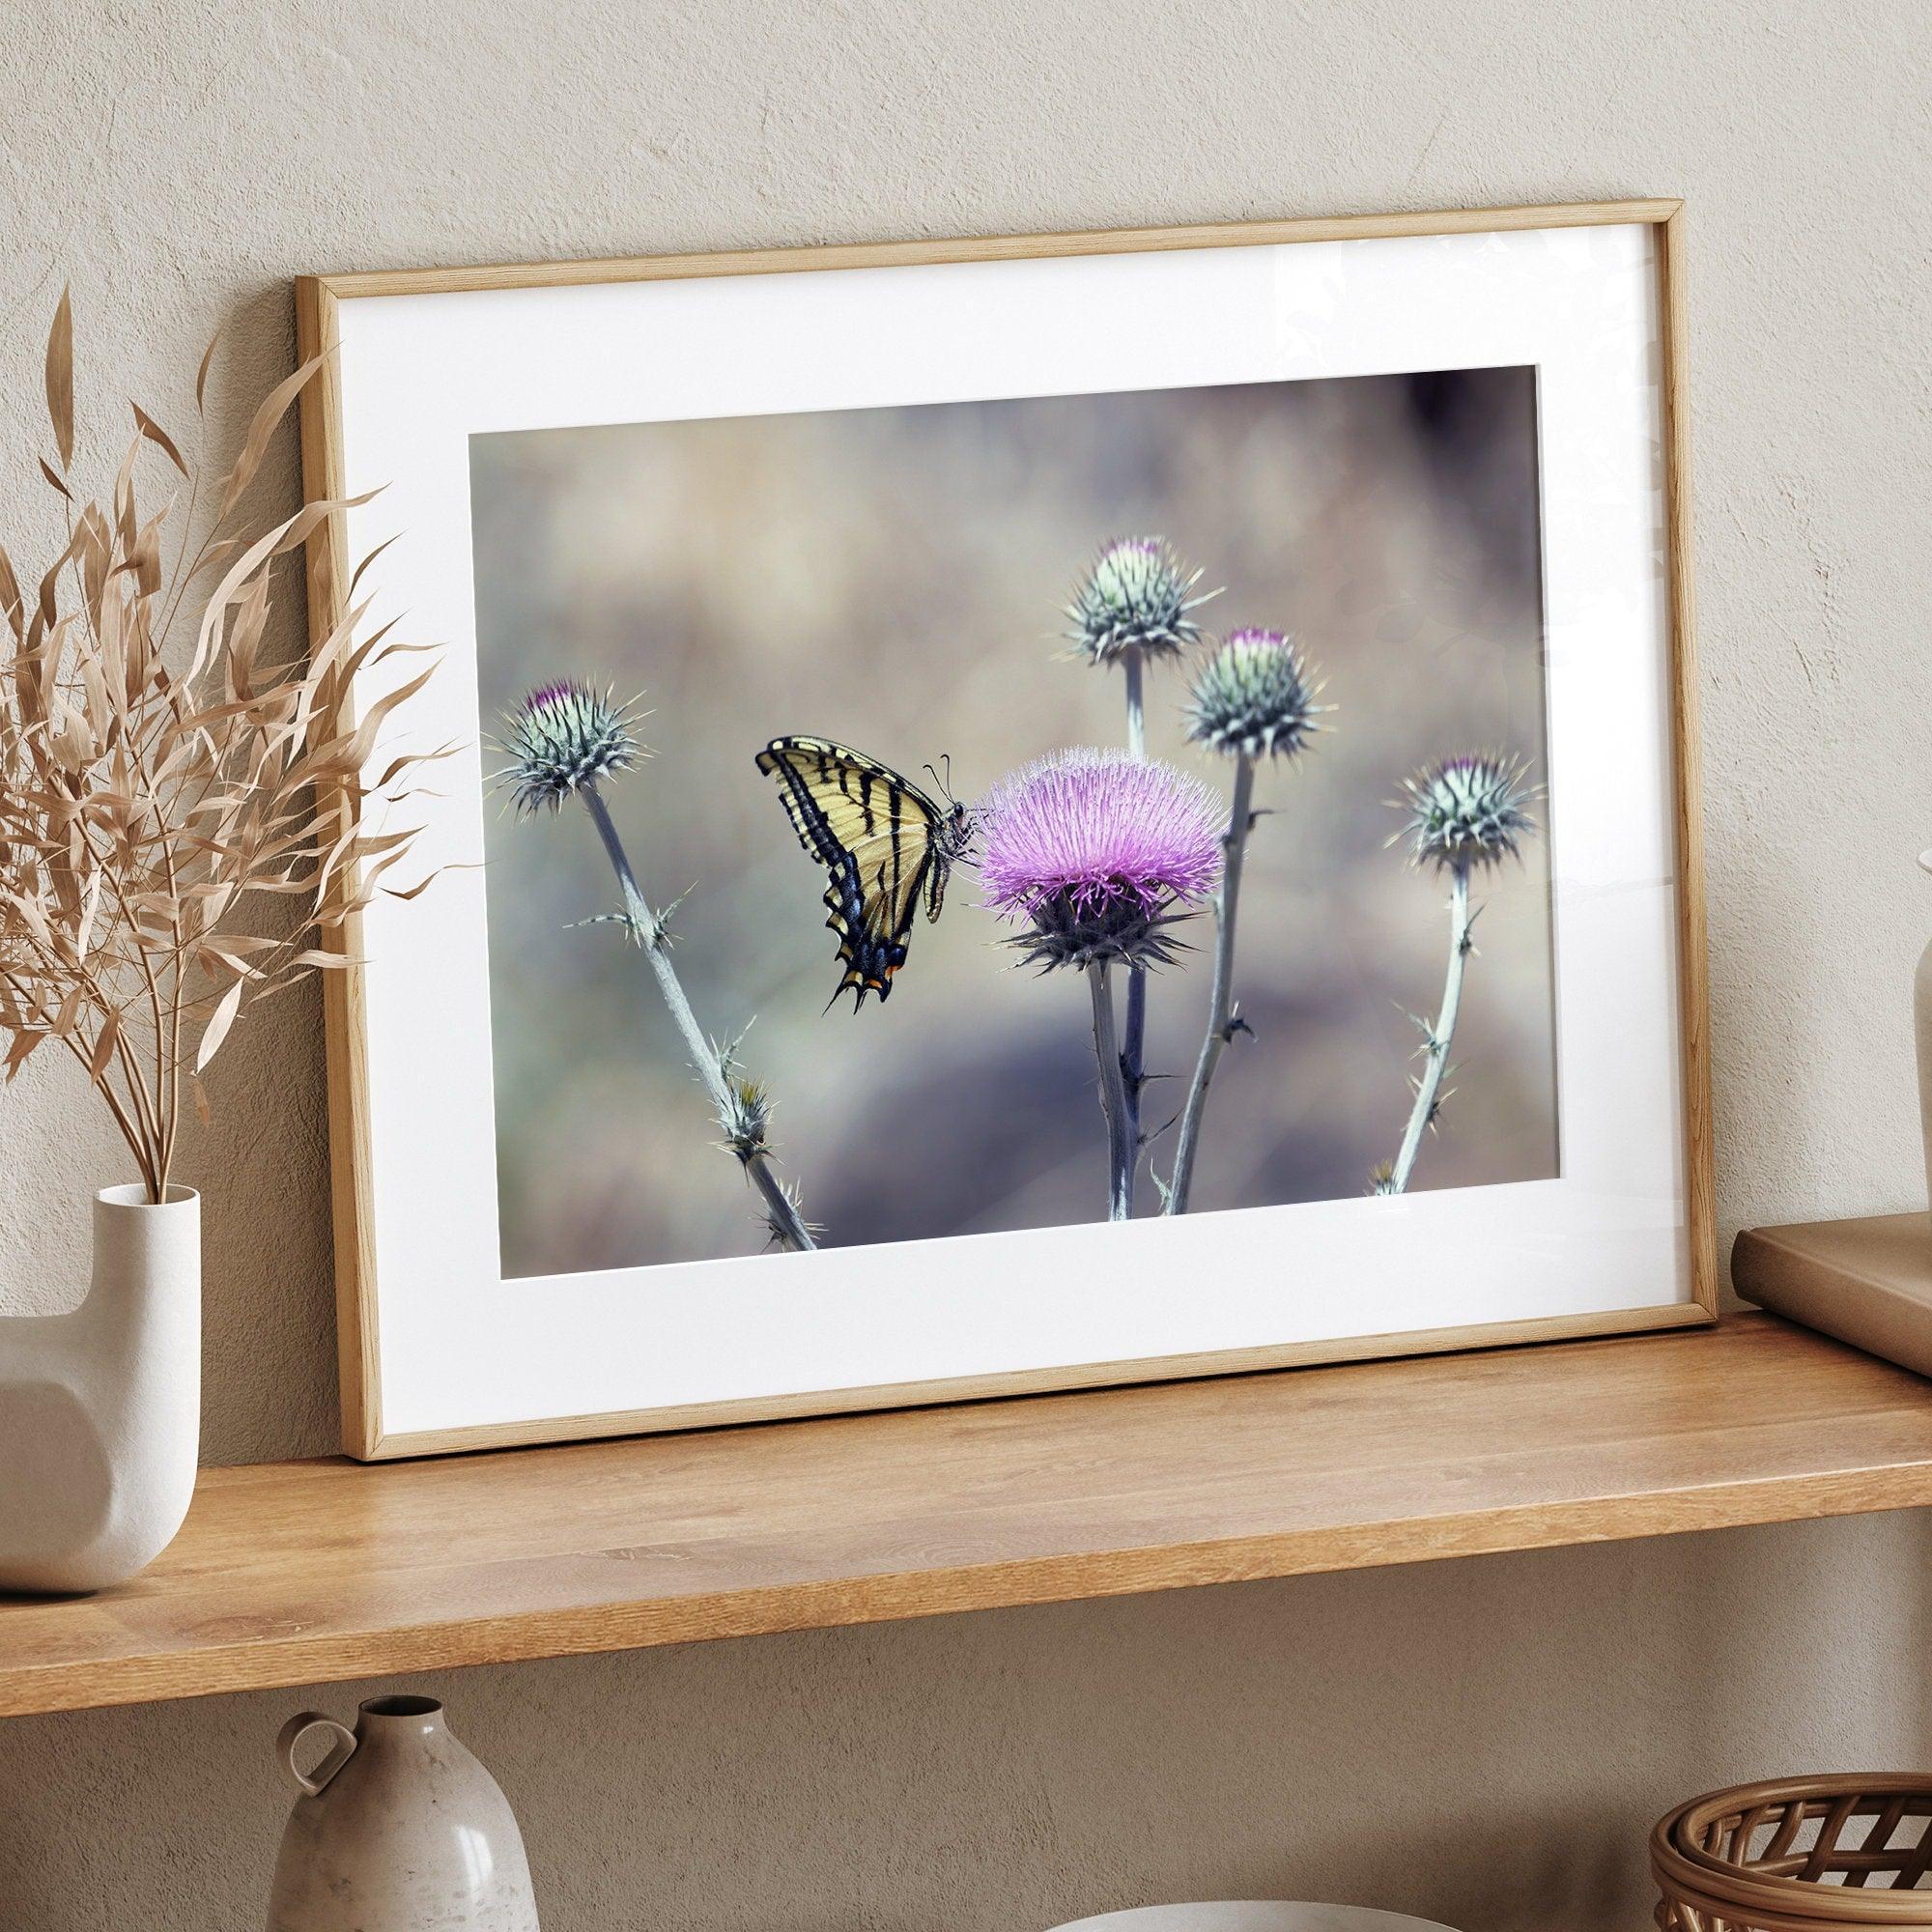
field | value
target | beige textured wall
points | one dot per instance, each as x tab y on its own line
1481	1742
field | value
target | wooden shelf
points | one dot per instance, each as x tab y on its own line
294	1572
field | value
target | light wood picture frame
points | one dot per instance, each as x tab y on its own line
385	1340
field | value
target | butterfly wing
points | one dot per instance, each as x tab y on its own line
877	836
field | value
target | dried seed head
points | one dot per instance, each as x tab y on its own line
1466	814
562	737
1137	595
1255	696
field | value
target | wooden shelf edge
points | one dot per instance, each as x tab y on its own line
313	1572
904	1597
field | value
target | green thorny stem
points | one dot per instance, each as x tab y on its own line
1222	1022
711	1061
1121	1153
1133	1045
1437	1038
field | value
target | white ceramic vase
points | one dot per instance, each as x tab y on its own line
1922	1027
100	1408
399	1828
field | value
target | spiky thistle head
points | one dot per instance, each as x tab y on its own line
745	1116
562	737
1099	853
1137	595
1466	814
1255	697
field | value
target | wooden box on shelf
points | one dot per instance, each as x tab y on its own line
1868	1282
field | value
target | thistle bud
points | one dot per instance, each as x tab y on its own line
562	737
1255	697
1466	814
1136	596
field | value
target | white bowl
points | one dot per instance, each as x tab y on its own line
1252	1915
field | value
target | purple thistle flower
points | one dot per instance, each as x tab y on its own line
1096	848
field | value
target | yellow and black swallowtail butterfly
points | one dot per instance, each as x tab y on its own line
883	842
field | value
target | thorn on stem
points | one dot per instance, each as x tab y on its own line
777	1235
642	928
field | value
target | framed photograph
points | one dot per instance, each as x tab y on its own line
1020	815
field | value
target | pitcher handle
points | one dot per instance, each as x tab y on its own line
339	1752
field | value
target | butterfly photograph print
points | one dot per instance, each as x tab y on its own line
1109	806
1152	670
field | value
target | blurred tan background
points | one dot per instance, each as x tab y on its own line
892	578
1481	1742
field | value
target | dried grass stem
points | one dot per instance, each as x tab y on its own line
156	792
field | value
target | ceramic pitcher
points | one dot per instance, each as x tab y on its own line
397	1829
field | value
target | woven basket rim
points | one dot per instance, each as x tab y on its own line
1694	1815
1723	1888
1795	1901
1713	1908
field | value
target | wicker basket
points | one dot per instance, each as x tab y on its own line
1797	1855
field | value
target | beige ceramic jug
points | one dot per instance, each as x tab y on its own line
398	1830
